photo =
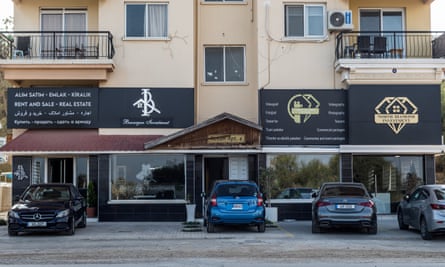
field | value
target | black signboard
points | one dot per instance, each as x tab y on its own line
21	174
146	107
100	107
52	107
394	115
303	117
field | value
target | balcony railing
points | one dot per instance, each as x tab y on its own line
56	45
390	44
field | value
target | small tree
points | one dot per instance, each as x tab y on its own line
267	178
91	196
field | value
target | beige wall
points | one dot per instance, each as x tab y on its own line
417	14
272	62
227	24
289	63
27	12
151	63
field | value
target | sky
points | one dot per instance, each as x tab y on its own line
437	13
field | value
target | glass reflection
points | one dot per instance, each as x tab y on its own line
142	177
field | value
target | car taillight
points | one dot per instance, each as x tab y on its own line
368	204
437	207
322	203
213	201
259	200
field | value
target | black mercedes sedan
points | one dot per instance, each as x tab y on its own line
48	208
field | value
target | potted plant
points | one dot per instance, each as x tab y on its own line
91	200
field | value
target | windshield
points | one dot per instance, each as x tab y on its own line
39	193
344	191
236	190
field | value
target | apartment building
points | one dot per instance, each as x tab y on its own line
152	101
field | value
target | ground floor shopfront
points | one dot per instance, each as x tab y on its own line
385	136
156	187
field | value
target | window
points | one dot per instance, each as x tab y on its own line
146	20
61	20
391	21
305	173
147	177
224	0
224	64
305	21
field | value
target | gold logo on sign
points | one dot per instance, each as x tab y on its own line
301	107
396	112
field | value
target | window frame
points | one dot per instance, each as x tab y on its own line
306	35
224	81
146	22
223	1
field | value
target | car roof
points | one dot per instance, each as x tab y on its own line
51	185
340	183
432	186
219	182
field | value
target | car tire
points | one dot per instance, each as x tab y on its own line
83	222
402	225
373	230
12	233
262	227
210	227
315	227
424	233
72	229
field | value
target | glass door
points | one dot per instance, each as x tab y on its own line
389	21
60	170
57	23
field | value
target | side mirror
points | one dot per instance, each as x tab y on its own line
407	198
314	195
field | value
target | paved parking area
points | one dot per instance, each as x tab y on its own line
165	244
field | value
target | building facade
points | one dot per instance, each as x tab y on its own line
152	101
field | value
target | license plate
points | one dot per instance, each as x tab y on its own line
237	207
345	206
36	224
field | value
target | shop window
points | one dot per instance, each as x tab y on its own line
146	20
298	176
224	64
388	178
305	21
147	177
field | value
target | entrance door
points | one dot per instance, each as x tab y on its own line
60	170
215	169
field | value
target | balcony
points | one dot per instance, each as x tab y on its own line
390	57
45	55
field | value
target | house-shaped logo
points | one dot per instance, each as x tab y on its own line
396	112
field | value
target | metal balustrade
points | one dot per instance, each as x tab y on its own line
56	45
390	44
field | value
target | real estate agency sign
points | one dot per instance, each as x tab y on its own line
303	117
68	107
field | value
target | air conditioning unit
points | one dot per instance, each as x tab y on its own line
340	20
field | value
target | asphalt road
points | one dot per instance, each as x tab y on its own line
291	243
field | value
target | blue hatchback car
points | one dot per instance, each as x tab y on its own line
234	202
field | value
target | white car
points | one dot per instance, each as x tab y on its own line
423	210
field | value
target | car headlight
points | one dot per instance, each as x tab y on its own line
63	213
14	214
